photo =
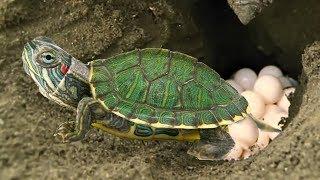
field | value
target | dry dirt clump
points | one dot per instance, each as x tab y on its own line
96	29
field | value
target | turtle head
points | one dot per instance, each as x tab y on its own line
50	67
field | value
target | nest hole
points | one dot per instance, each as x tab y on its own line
230	45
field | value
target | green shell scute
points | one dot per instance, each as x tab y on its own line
132	85
100	74
164	117
165	89
196	97
126	108
206	117
163	93
177	73
121	62
144	112
103	88
207	77
110	100
154	63
187	118
221	113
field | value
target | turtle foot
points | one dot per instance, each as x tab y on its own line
66	132
214	145
210	151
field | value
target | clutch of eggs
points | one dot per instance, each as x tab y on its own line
267	94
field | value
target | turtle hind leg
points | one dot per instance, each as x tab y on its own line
214	144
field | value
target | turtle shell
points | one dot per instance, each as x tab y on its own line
165	89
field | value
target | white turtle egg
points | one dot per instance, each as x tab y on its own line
263	139
284	103
269	87
235	153
245	78
256	103
270	70
244	132
235	85
273	116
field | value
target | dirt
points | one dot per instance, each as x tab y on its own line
102	28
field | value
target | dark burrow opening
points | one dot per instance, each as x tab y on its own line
228	43
277	36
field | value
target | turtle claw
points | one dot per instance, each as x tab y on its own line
65	131
61	137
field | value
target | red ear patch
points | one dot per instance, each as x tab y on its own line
64	69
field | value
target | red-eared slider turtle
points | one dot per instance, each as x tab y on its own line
148	94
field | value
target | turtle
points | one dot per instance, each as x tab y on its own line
146	94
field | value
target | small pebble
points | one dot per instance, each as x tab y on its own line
190	167
1	122
245	78
271	70
256	103
235	85
236	131
269	88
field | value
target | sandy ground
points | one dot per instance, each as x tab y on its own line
95	29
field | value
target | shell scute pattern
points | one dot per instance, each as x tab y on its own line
163	93
164	117
164	89
207	118
110	100
187	118
126	108
177	73
145	112
155	63
121	62
132	85
195	96
207	77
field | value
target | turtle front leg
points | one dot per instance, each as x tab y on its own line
76	130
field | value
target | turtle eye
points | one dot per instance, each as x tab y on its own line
47	60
